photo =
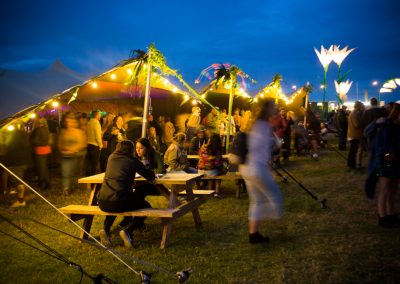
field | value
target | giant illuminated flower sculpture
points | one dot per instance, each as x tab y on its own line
342	89
339	55
325	57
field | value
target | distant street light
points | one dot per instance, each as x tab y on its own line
375	83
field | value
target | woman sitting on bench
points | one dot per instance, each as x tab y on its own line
117	195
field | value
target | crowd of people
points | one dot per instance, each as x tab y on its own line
84	145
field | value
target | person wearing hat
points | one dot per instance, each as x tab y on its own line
197	141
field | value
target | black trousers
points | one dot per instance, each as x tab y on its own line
92	159
351	158
133	202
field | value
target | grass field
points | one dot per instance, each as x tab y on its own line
342	244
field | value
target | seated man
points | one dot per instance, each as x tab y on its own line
175	156
117	195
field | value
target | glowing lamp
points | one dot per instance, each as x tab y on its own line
11	128
94	85
194	102
186	97
175	90
129	70
32	115
55	104
374	83
113	76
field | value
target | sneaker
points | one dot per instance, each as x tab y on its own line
257	238
388	221
104	238
18	204
217	195
126	238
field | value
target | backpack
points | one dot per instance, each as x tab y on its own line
238	151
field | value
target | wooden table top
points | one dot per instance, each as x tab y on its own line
169	178
196	157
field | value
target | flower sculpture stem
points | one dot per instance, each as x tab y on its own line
324	114
231	95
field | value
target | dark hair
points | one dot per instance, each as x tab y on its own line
125	147
373	102
215	145
115	119
263	112
94	113
395	112
150	152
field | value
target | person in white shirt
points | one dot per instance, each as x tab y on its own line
95	143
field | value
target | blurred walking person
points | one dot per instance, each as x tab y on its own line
264	194
41	141
71	141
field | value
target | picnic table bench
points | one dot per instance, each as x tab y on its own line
179	184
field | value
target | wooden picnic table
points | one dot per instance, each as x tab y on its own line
170	185
197	157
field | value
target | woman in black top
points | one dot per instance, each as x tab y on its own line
117	195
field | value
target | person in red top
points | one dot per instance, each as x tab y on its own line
210	162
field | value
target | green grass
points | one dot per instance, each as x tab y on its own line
342	244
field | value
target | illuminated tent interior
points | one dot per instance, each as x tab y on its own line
220	96
294	102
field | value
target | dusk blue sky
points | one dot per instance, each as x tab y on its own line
263	38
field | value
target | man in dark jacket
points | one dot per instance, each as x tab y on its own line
117	195
341	126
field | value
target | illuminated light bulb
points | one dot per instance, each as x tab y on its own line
241	90
165	81
211	89
194	102
175	90
186	97
113	76
11	128
129	70
94	85
246	95
203	96
32	115
322	86
55	104
374	83
256	99
155	74
267	91
262	95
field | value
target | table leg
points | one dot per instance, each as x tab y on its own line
167	227
195	211
87	225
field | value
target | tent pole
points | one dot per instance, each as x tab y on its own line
305	115
231	94
146	101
